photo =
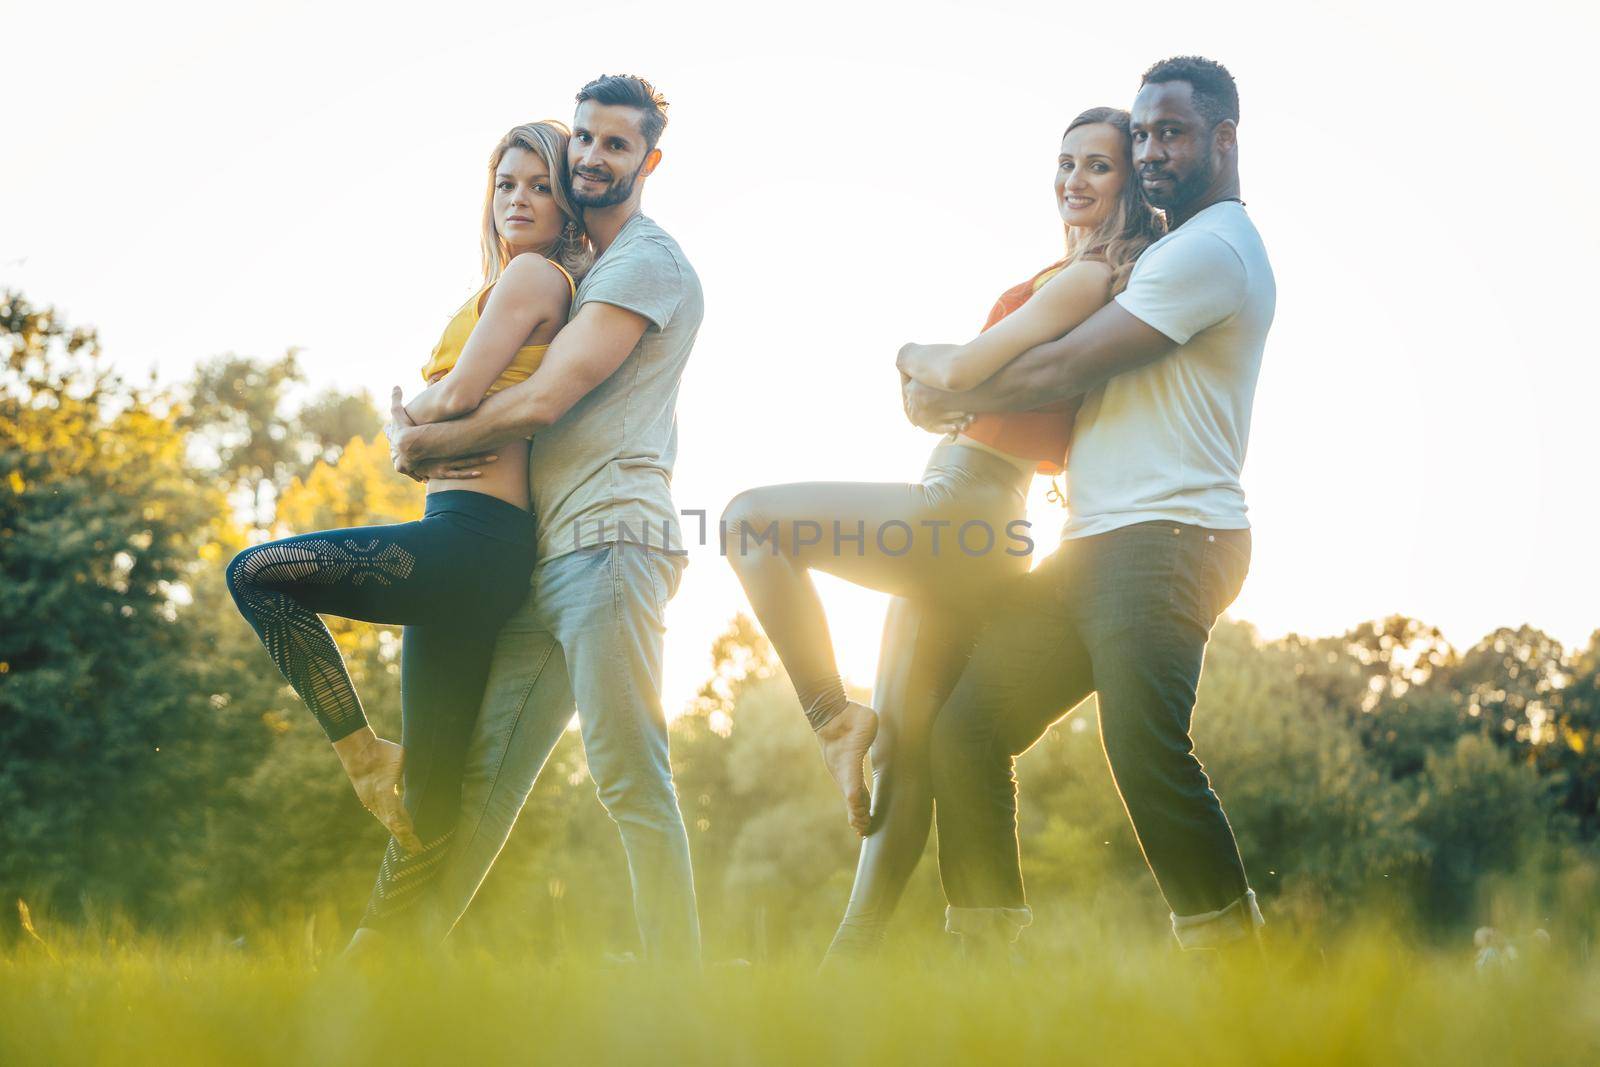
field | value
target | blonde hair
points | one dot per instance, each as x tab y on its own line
1128	228
547	139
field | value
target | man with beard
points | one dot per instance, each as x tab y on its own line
1155	548
601	412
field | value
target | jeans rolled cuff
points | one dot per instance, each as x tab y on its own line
1008	922
1224	926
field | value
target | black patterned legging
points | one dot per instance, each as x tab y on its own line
451	578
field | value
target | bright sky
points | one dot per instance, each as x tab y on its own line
195	179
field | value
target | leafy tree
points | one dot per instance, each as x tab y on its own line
1510	682
245	426
143	732
237	415
1567	750
102	525
361	488
330	420
1479	812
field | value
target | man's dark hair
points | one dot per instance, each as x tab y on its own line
1215	95
629	90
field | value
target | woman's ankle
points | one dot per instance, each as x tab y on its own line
355	748
822	700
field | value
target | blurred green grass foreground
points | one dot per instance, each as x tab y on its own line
1373	997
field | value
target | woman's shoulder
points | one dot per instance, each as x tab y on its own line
530	276
1088	270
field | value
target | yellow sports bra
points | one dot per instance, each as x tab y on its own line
461	325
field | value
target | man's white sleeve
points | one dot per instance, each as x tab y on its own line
1187	285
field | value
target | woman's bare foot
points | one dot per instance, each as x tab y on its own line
375	767
845	739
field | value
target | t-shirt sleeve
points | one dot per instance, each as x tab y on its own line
644	279
1186	285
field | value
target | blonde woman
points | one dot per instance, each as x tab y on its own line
453	577
944	546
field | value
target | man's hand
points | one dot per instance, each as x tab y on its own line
925	408
402	432
399	420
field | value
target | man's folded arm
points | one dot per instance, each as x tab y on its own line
585	353
1112	341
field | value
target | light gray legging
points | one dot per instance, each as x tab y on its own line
945	547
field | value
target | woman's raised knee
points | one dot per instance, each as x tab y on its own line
238	572
748	526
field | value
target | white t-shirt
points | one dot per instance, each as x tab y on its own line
1167	441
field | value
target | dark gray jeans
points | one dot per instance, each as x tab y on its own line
1126	615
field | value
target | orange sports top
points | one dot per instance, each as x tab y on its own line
1041	435
460	327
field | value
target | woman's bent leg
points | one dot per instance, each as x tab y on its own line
946	546
907	539
863	532
775	535
460	571
282	587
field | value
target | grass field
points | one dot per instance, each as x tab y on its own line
1369	999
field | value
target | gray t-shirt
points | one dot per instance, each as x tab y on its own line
603	472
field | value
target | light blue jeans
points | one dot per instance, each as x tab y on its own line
589	635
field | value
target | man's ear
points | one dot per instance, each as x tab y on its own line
651	161
1226	136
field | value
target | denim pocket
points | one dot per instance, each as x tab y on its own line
1227	560
663	571
673	566
1130	576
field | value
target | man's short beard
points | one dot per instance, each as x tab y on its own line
614	194
1185	190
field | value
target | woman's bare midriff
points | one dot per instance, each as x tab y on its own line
1022	463
504	479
